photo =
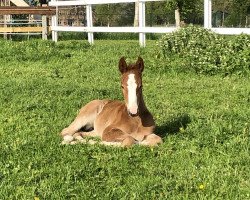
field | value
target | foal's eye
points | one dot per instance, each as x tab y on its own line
122	87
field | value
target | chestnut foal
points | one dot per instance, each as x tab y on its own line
115	122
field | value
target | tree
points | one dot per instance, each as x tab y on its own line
234	12
114	14
105	14
220	6
136	18
157	14
238	13
188	11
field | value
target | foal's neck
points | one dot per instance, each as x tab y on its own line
142	106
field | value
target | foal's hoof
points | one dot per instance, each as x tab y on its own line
152	140
67	139
128	142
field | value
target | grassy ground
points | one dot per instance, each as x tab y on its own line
204	122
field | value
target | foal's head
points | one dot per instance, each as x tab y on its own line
131	82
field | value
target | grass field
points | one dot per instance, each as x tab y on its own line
204	121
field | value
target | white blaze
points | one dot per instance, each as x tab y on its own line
132	98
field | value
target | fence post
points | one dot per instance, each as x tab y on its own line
45	27
54	22
7	19
142	36
207	13
89	23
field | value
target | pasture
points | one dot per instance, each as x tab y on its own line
204	122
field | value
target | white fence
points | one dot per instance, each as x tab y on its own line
142	29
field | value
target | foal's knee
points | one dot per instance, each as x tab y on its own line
64	132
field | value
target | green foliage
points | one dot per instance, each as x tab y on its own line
123	14
204	121
116	36
205	52
72	36
124	36
158	14
235	12
114	14
191	11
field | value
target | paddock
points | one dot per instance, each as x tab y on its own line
196	89
203	120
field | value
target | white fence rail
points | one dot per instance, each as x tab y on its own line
142	29
93	2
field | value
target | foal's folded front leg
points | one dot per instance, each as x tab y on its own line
116	137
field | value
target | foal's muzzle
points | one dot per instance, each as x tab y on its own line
132	114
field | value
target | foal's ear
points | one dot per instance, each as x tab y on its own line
123	65
140	64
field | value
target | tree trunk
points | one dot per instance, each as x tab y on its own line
136	18
177	17
223	18
108	16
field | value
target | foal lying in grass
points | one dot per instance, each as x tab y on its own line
115	122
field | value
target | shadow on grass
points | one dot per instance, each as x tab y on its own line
173	126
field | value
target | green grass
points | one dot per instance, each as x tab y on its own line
204	121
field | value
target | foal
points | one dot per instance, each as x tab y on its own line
115	122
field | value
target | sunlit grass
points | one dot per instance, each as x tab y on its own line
204	122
